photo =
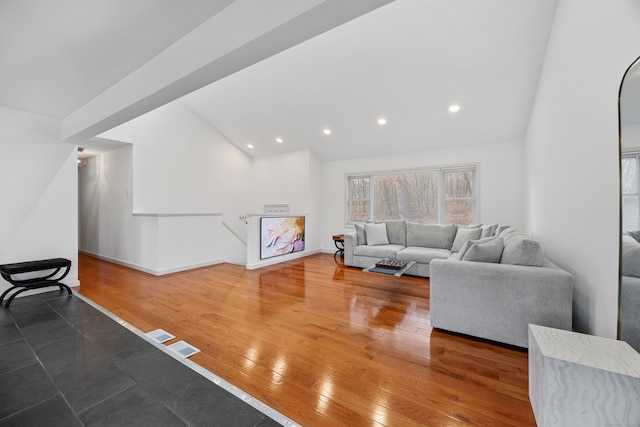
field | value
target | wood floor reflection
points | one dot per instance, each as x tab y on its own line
324	344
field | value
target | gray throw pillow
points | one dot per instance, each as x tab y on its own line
490	251
431	235
463	235
376	234
469	243
521	250
397	232
489	230
361	236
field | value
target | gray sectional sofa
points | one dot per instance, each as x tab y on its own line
486	281
630	292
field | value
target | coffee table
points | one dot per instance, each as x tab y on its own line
385	270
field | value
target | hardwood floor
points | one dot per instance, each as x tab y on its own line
324	344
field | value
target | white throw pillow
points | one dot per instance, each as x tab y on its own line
376	234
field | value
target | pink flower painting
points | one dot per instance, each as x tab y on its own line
281	235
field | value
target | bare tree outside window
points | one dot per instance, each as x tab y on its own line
412	196
359	199
459	191
422	196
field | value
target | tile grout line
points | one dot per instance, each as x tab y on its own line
245	397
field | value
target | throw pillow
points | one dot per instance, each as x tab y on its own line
361	237
489	230
490	251
522	250
376	234
468	244
462	235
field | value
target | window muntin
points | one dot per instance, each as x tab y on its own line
444	195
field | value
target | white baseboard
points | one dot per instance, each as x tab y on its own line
151	270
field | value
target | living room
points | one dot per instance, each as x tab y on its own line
559	180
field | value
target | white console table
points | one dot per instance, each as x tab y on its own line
582	380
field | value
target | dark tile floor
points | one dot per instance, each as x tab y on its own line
65	363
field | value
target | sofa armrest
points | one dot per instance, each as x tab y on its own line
350	242
499	301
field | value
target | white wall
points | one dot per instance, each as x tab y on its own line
571	151
107	227
289	178
178	173
500	182
38	179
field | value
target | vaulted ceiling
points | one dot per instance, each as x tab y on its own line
309	66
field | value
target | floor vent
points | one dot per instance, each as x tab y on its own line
160	336
183	349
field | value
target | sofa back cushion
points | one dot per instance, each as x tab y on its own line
522	250
631	260
431	235
376	234
397	232
462	235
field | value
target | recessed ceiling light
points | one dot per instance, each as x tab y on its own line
454	108
327	131
250	146
382	121
279	140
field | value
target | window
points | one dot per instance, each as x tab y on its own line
630	192
423	196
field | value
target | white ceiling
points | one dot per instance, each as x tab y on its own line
406	61
59	54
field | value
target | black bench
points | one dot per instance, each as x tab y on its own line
60	267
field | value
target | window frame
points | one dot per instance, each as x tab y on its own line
474	167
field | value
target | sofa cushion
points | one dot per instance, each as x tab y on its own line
521	250
489	230
462	235
361	235
631	260
489	251
381	251
500	229
431	235
397	232
422	255
468	244
376	234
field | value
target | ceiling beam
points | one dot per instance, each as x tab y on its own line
244	33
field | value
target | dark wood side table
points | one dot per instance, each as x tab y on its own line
338	240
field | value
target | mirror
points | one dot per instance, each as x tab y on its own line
629	128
